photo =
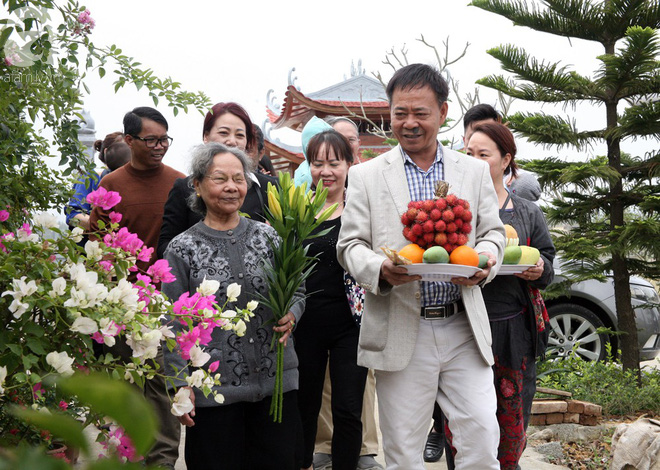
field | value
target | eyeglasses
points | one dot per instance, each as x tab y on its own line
152	142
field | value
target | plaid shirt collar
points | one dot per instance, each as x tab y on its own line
438	158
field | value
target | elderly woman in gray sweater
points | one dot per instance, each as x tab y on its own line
229	248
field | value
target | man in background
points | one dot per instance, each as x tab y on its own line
143	185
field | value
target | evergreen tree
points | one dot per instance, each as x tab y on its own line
609	205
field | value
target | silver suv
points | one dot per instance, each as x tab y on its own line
589	306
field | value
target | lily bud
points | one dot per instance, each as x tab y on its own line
326	213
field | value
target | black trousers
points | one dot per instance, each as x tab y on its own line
314	345
243	436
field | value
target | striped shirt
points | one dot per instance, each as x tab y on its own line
421	185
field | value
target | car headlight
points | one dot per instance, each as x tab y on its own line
645	294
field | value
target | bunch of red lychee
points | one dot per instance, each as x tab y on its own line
444	222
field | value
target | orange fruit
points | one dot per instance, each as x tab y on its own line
413	252
464	255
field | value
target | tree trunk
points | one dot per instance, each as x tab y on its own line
625	313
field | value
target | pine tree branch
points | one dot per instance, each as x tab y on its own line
635	63
551	130
528	92
578	18
640	120
545	74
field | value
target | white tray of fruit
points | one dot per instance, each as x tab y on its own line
517	258
436	264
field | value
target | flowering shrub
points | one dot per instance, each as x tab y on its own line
57	300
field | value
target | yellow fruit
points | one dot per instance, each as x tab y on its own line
413	252
530	255
511	235
464	255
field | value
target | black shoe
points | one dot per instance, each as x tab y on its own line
435	446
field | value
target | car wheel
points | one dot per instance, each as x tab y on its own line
575	328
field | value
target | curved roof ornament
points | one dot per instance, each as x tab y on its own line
292	79
271	102
266	127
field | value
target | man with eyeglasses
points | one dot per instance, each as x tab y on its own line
143	184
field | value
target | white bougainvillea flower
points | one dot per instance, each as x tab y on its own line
252	305
3	376
219	398
61	362
85	326
198	357
126	294
196	379
233	291
77	234
182	403
240	328
88	292
76	270
208	287
45	220
59	287
166	331
18	308
144	344
228	314
21	288
93	250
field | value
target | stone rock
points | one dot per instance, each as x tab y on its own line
543	435
567	432
552	450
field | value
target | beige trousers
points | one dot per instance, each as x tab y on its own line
369	430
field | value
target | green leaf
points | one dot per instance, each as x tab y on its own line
114	464
120	401
34	329
35	345
60	425
30	458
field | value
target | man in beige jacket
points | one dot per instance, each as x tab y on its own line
427	341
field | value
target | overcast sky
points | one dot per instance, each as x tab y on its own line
237	51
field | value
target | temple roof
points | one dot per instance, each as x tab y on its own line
359	94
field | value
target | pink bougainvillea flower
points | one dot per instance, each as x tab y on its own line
160	272
4	215
37	391
63	405
115	217
106	265
186	341
204	332
106	200
119	442
145	254
7	236
214	366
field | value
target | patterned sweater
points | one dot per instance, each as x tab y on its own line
247	363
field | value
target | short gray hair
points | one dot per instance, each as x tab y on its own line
335	119
202	159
